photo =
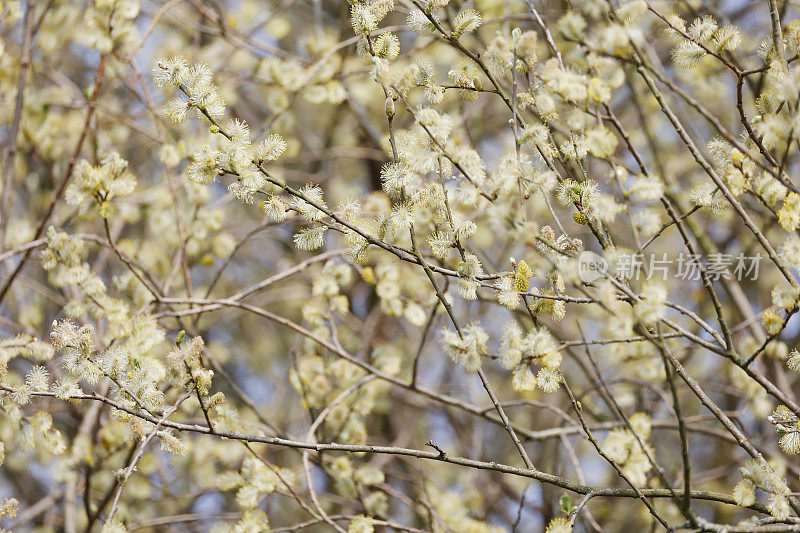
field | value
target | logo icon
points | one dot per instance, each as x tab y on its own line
591	266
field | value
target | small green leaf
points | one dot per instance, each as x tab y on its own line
566	503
